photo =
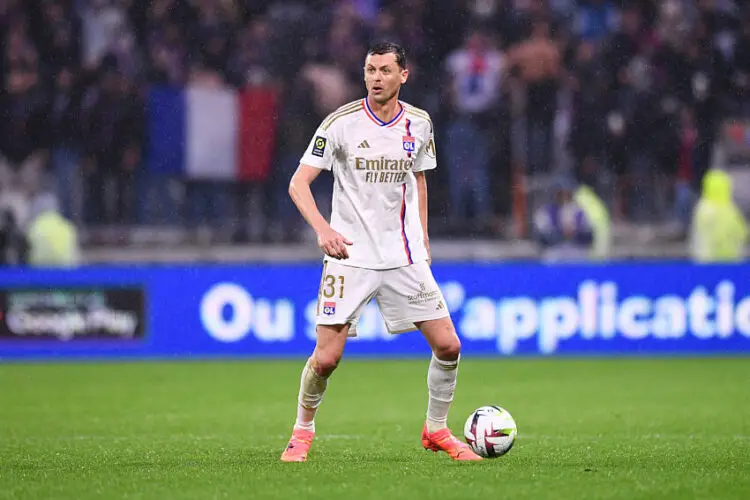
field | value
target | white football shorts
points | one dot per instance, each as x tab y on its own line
405	295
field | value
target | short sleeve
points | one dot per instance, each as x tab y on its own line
427	155
319	152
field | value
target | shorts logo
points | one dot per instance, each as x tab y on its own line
319	146
329	308
423	295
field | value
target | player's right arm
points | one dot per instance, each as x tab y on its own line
318	156
331	242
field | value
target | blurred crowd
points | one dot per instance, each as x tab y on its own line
626	98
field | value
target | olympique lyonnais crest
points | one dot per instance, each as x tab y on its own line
329	308
408	144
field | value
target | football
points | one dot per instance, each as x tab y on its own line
490	431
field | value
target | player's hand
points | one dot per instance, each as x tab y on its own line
333	244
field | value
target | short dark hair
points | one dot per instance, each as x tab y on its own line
389	48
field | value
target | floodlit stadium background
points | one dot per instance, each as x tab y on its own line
145	152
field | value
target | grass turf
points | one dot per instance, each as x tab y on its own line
588	428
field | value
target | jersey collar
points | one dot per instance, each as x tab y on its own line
378	121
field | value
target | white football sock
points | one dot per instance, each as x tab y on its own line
311	390
441	383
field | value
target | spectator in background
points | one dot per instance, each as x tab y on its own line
10	10
666	135
384	27
684	196
561	226
294	25
673	22
631	39
102	23
124	51
563	12
67	142
741	74
538	61
516	18
594	210
411	28
23	146
53	240
250	64
296	118
328	80
596	19
215	22
475	73
588	85
634	127
114	132
167	57
693	54
13	244
59	35
367	10
719	230
707	77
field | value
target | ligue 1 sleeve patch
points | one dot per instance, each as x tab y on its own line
319	146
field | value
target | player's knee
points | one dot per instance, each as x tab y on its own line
324	363
449	349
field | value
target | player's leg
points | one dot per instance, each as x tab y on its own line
344	292
329	348
443	370
409	298
441	385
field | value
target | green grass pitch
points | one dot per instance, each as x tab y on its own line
588	428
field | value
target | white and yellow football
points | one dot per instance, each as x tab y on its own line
490	431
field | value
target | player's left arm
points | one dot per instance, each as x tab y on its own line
425	160
422	198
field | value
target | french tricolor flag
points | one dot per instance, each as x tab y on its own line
211	134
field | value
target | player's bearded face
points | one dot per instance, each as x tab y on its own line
383	77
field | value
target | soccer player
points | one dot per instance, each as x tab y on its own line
376	245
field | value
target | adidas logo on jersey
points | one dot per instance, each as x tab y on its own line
363	145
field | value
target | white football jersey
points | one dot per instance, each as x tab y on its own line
375	201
